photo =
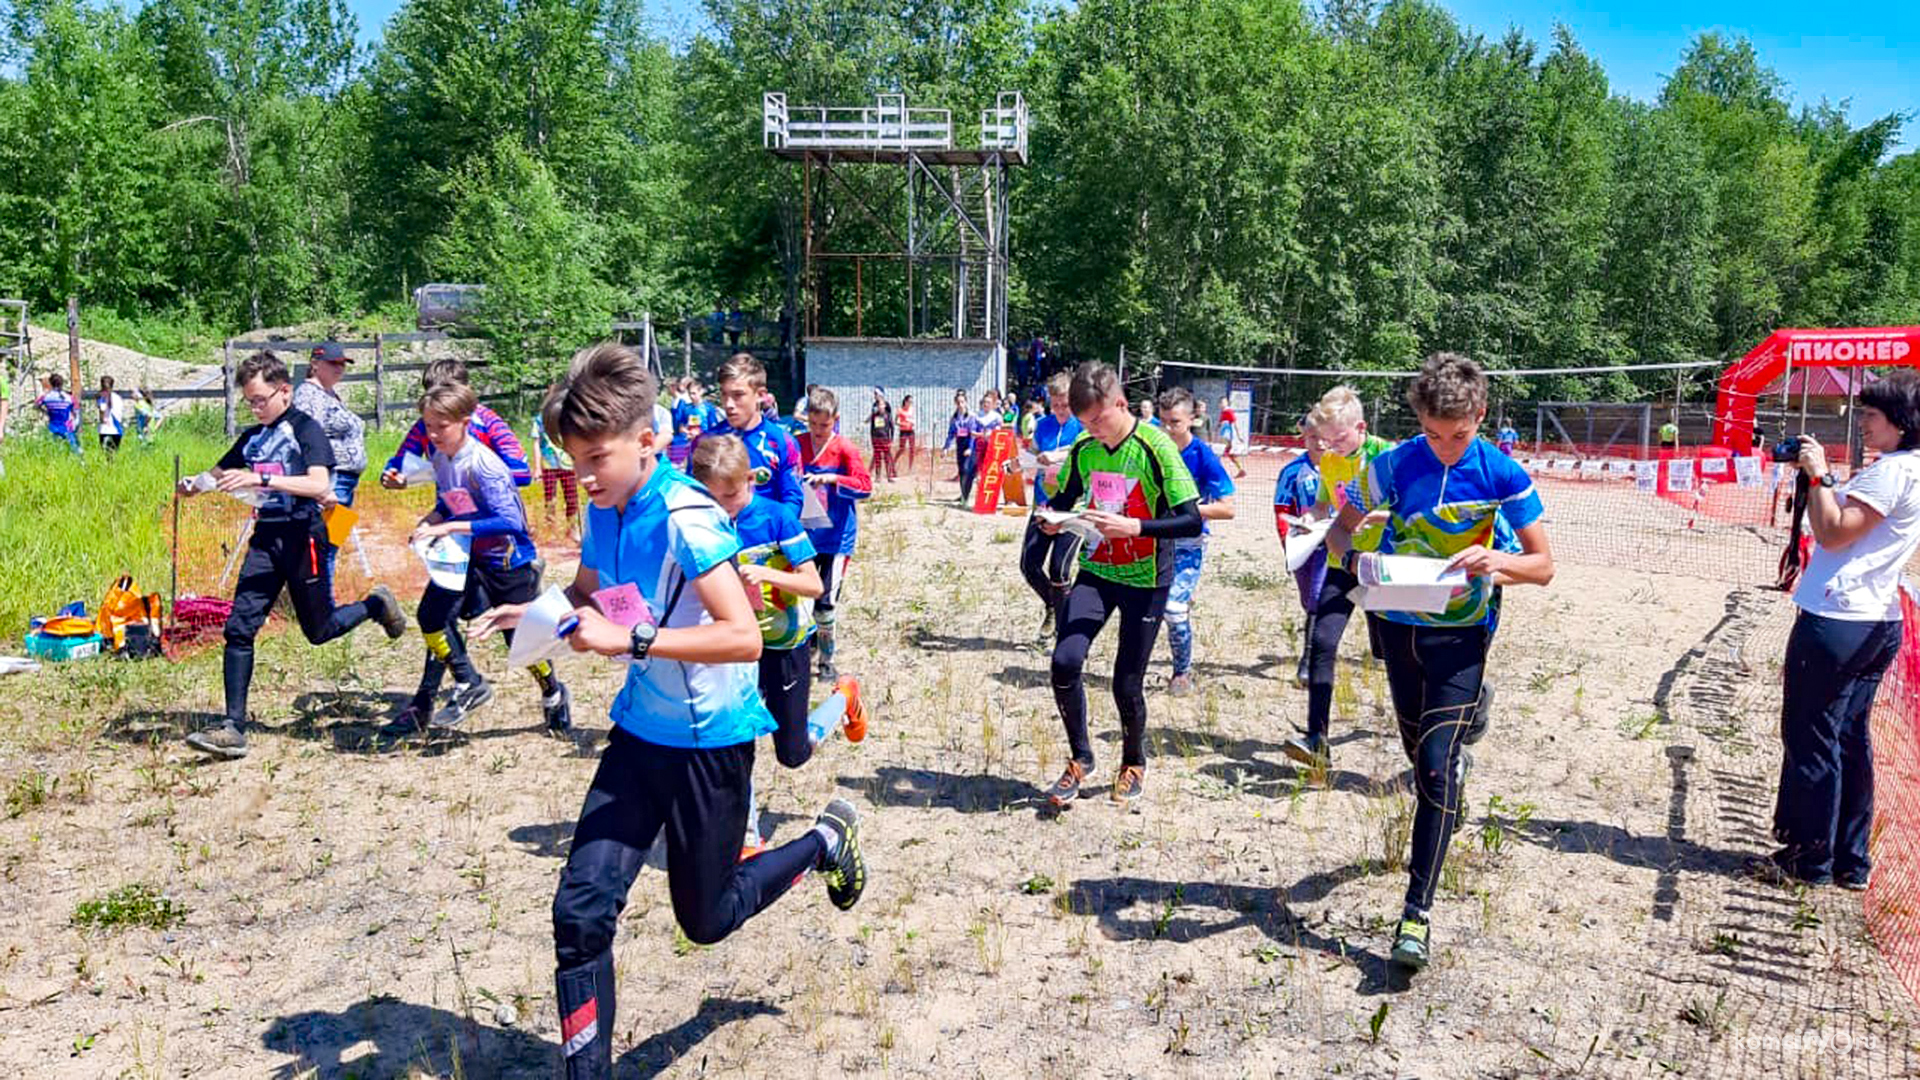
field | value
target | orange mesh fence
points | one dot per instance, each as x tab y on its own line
212	533
1893	893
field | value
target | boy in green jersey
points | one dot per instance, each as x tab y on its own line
1130	485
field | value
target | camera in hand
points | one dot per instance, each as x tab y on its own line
1787	449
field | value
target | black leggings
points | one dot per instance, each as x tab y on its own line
699	798
1083	612
786	682
1329	624
964	457
1037	559
440	610
290	555
1434	675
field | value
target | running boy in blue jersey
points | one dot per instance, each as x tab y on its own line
476	498
775	456
1293	498
1047	559
1176	408
1445	491
776	561
658	558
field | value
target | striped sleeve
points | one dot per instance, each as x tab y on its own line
414	443
500	437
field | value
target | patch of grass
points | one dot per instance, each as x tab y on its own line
1710	1018
1503	821
30	789
70	526
134	905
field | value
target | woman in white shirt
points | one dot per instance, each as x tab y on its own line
1844	638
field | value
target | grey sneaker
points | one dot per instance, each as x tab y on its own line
465	698
1461	772
1309	750
1066	789
1482	715
224	740
384	608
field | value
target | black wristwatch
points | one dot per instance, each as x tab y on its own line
640	640
1828	480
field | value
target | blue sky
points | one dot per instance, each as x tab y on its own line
1843	50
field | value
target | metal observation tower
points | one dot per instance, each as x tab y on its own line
940	207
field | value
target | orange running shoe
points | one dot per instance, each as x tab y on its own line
855	725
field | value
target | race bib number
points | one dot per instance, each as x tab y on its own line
623	605
459	501
1109	492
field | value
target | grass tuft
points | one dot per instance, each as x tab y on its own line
133	905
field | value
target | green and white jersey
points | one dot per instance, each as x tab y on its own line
1145	478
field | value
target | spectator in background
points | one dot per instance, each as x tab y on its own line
736	324
1147	415
112	409
146	416
1229	436
318	396
960	431
62	412
903	420
880	432
553	467
1506	438
1843	639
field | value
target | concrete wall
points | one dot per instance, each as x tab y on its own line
930	369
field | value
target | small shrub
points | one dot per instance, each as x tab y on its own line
132	905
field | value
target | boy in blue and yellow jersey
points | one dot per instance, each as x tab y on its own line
1445	494
777	562
1340	424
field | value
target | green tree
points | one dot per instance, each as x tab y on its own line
81	191
512	228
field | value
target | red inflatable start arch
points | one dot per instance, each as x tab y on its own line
1744	379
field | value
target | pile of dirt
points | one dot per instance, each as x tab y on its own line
129	367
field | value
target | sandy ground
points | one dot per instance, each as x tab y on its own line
353	911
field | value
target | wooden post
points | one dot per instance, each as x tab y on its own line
226	385
379	381
73	348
